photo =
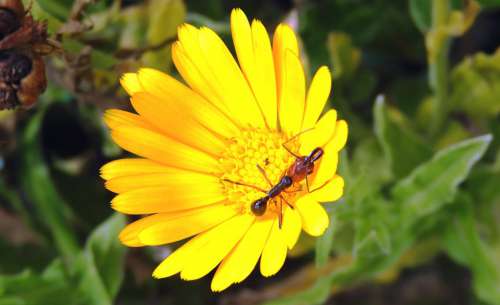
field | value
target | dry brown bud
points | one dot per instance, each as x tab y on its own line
33	84
15	6
22	79
9	22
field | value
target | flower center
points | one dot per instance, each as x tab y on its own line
243	181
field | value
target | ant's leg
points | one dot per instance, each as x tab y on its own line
289	151
263	172
280	217
293	138
294	191
288	203
318	188
244	184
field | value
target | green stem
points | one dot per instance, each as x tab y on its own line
438	63
38	185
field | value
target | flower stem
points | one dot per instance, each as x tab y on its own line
438	42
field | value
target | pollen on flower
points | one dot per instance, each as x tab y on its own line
240	161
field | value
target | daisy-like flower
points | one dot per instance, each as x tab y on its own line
200	146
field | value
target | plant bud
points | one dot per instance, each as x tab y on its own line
9	22
13	67
22	79
8	98
33	84
15	6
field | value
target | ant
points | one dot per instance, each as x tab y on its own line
298	171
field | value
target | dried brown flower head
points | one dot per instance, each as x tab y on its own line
22	70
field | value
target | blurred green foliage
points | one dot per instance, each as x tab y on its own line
422	165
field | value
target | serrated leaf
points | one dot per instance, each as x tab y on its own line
464	245
100	266
434	183
373	240
402	148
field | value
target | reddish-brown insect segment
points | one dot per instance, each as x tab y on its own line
298	171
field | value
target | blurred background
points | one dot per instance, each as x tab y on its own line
417	80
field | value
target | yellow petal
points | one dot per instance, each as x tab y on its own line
292	95
253	49
314	217
339	137
115	118
131	166
180	258
172	121
170	227
265	82
168	198
317	96
173	177
274	253
176	261
209	255
321	133
326	168
198	75
130	83
332	190
292	225
215	74
242	259
284	39
242	39
237	95
152	145
174	95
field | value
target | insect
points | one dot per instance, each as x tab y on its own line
298	171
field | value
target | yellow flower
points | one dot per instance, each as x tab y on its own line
200	147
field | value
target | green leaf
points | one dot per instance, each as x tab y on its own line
373	237
164	17
28	288
464	244
402	148
489	3
476	85
59	9
324	243
37	182
345	57
99	267
434	183
420	11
